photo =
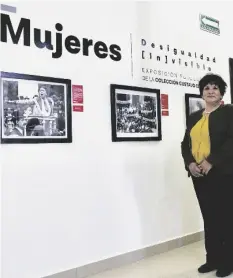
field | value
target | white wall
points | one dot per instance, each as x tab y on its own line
67	205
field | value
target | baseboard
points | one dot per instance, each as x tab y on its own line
128	258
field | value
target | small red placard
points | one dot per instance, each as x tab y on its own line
77	92
165	113
164	101
78	108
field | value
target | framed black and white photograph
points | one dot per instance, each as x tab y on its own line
193	103
35	109
231	77
135	113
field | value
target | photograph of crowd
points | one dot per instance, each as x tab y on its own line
33	109
136	114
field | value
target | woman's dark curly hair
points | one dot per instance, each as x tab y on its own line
212	79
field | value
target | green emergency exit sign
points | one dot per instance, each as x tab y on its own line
209	24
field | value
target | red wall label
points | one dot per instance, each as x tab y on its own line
165	113
164	105
164	101
78	108
77	92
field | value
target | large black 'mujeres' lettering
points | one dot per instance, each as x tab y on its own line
72	44
24	26
116	54
58	52
48	39
86	44
101	47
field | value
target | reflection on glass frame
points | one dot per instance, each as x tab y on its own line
193	103
135	113
35	109
231	77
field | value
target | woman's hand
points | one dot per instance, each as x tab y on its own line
195	170
205	167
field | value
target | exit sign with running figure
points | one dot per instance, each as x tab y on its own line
209	24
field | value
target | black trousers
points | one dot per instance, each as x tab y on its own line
215	196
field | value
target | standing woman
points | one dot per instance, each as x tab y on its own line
207	150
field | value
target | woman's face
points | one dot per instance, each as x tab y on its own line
211	94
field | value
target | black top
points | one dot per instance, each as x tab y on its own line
221	139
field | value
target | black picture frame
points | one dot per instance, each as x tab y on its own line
231	77
189	108
142	97
57	122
